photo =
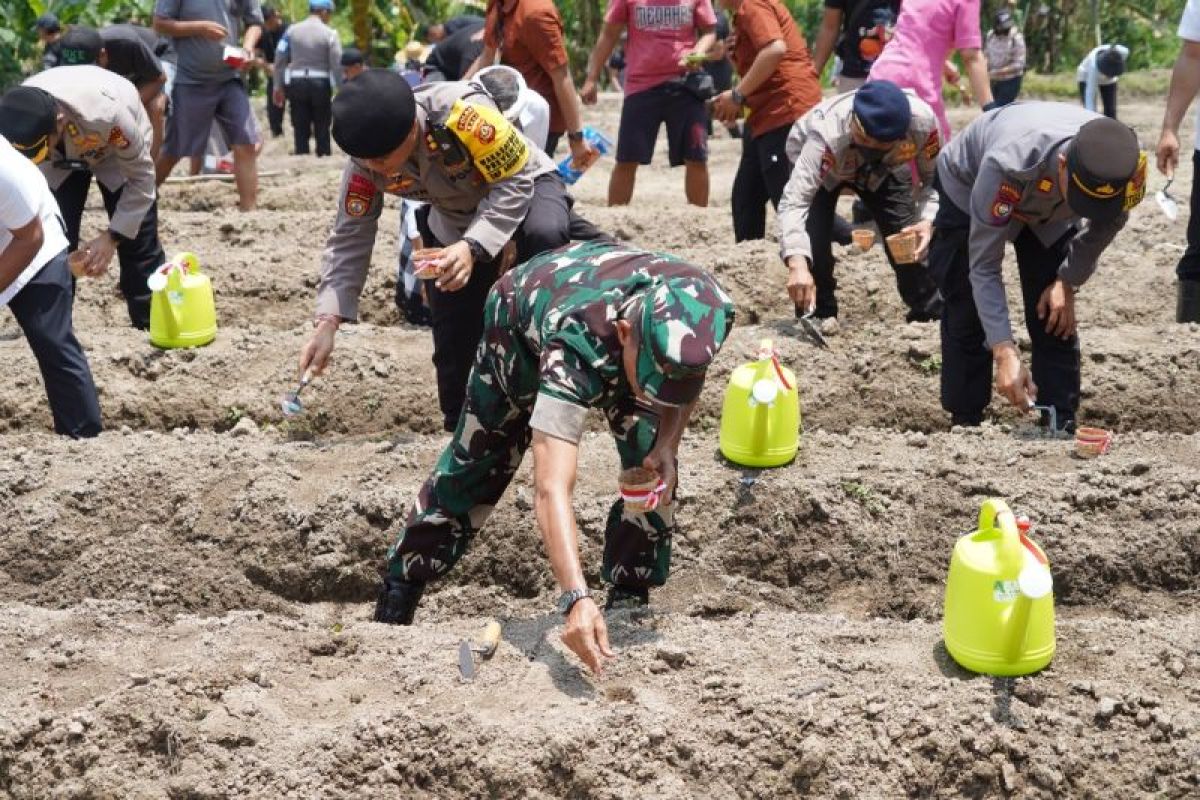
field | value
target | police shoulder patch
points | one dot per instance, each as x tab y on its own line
117	138
933	145
1005	202
360	191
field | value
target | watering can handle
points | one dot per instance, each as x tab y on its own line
767	352
995	513
188	262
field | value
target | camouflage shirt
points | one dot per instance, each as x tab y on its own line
562	308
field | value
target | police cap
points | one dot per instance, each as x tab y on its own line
373	114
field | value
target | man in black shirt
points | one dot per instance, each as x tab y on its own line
49	32
274	28
124	50
454	54
856	30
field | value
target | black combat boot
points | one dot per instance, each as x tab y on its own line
622	597
1188	307
397	601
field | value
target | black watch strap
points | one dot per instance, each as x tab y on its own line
567	600
116	237
575	136
477	251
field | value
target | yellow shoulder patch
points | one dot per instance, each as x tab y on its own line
497	148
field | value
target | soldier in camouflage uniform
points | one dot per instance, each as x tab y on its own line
594	325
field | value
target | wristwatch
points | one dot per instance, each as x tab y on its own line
567	600
575	136
117	238
478	254
737	96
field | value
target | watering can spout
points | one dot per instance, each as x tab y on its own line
1033	583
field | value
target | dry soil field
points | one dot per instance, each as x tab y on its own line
185	601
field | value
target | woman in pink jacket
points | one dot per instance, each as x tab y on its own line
926	33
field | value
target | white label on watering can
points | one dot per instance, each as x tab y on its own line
176	298
1005	591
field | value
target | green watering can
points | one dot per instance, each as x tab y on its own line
183	312
999	607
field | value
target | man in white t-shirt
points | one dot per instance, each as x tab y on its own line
35	283
1098	74
1185	83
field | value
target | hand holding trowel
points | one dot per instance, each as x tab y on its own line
485	647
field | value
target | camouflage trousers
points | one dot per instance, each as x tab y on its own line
485	452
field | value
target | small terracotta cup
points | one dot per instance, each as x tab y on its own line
425	262
863	239
1092	442
903	247
641	489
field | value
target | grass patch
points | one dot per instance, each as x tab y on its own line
1063	86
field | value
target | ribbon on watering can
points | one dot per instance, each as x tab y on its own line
763	354
649	498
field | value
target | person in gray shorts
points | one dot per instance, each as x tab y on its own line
207	88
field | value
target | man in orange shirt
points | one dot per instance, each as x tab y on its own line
528	34
778	85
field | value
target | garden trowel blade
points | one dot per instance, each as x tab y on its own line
466	661
813	331
1168	205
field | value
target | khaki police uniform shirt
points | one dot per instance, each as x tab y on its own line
310	46
107	129
1003	171
462	204
823	156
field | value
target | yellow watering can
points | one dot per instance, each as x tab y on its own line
182	311
999	610
760	419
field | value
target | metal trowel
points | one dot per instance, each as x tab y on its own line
1166	202
814	332
485	647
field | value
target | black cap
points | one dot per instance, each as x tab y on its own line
47	22
1106	170
81	44
1004	19
27	118
352	56
1110	62
373	114
883	110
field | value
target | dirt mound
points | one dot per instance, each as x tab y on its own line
183	601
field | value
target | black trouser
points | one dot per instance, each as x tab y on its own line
43	310
1108	98
552	140
966	360
761	177
312	113
1188	268
1006	91
458	316
139	257
893	208
274	112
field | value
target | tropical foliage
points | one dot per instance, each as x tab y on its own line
1058	32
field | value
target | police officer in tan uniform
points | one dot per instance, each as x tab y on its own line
1058	182
79	121
866	141
484	184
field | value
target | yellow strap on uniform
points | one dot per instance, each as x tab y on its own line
1135	190
497	148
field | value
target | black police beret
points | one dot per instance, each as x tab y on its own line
883	111
373	114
